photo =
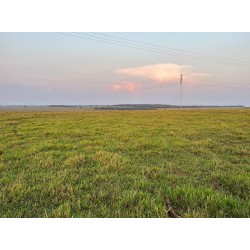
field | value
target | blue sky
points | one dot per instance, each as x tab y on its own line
52	68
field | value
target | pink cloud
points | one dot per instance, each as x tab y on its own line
165	73
131	87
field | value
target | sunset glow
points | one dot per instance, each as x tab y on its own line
130	87
164	73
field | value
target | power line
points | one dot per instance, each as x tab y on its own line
178	50
140	47
103	41
151	48
113	42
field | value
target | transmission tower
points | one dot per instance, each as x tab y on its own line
181	91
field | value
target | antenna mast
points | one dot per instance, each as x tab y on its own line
181	91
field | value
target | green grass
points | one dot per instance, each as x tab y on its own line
122	163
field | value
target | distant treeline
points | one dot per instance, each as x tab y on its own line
65	106
120	106
155	106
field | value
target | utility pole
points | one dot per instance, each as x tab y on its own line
181	91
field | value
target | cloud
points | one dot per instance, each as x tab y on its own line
164	73
131	87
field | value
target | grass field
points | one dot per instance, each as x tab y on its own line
122	163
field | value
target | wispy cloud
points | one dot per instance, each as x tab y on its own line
131	87
164	73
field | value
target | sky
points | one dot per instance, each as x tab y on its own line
76	69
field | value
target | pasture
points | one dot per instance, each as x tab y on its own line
89	163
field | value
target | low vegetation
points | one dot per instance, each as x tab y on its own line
90	163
